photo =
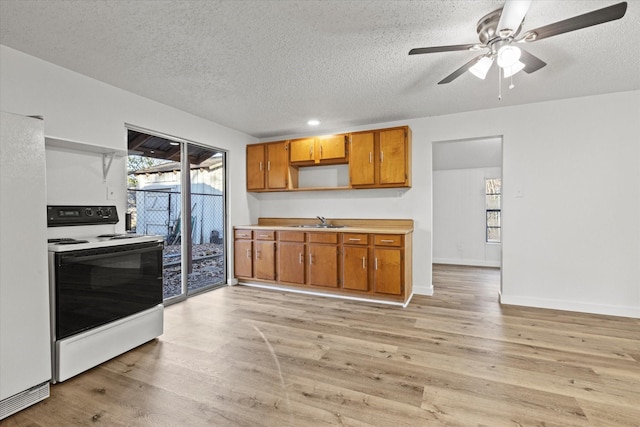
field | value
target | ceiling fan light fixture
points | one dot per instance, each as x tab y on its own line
508	55
510	71
481	68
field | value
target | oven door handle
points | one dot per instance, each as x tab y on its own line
70	258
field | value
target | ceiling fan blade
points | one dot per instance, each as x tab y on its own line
600	16
435	49
512	16
531	62
460	71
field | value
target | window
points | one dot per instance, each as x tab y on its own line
493	187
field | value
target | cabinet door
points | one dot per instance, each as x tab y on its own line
355	265
361	159
387	271
255	167
302	150
264	266
392	156
242	258
291	262
323	265
331	147
277	165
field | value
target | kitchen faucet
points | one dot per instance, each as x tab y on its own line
322	219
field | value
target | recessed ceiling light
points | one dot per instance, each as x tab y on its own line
313	122
174	143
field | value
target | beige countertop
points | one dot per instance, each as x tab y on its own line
373	226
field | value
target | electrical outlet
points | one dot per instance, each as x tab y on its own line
111	193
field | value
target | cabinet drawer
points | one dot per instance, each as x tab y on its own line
355	239
323	237
242	234
291	236
264	235
388	239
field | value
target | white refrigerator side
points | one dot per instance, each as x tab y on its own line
25	343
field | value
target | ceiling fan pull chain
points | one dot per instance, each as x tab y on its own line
499	84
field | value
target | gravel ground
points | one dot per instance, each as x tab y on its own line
208	268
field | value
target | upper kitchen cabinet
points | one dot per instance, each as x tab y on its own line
329	149
267	166
380	158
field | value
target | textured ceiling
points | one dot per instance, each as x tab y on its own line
265	67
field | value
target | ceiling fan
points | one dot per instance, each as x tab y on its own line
499	32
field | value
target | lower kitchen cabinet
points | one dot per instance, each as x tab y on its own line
355	268
387	271
264	265
323	265
365	265
243	258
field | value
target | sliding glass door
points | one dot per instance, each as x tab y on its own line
187	209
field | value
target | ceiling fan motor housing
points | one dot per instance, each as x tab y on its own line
488	28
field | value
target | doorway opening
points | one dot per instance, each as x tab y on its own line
467	208
177	189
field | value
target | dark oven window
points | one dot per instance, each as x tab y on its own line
96	286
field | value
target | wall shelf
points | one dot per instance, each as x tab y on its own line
108	153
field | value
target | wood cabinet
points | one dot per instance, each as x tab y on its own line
264	249
256	177
388	272
254	254
355	261
363	264
264	266
267	166
243	253
323	259
291	257
329	149
380	158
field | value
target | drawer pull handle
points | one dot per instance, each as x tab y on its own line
376	263
243	235
387	240
257	254
249	253
364	263
266	235
351	239
300	259
310	259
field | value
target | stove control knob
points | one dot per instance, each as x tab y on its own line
109	212
88	212
99	212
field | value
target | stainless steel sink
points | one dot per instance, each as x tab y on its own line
319	226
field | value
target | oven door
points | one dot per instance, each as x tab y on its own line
96	286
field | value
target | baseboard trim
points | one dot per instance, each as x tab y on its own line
321	294
608	310
470	262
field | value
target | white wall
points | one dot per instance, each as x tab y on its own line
78	108
459	217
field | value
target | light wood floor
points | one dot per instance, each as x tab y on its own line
243	356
